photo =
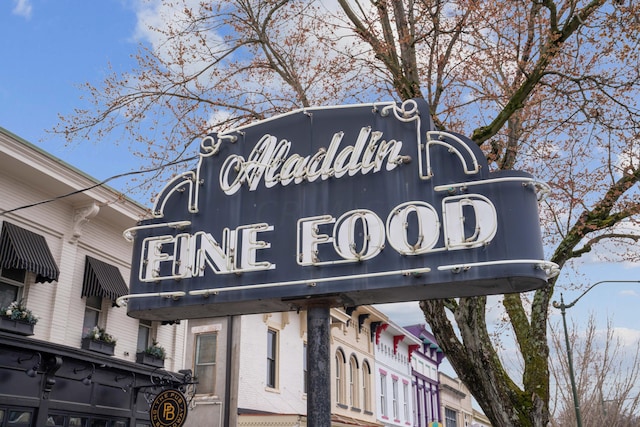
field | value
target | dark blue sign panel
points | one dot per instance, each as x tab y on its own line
349	205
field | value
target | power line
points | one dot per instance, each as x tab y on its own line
99	184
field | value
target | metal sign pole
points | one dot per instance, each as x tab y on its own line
319	366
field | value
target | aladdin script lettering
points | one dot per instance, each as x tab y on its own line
270	161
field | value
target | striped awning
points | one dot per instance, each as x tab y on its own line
102	280
25	250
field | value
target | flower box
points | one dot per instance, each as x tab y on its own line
148	359
16	326
98	346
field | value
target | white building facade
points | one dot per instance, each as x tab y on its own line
393	348
260	376
64	258
271	369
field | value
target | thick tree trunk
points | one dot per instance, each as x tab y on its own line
478	366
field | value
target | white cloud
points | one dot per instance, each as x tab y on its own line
629	293
22	8
623	251
153	18
627	337
629	159
403	313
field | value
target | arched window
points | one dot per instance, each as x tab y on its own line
354	389
366	386
340	368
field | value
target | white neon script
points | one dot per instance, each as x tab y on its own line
270	161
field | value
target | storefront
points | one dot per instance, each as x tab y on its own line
68	355
45	384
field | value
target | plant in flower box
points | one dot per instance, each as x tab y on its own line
17	318
99	340
153	355
19	311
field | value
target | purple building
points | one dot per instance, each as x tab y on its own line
425	362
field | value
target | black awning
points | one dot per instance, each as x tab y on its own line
102	280
25	250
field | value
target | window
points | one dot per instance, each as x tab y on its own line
144	334
340	361
11	285
353	382
305	374
272	358
405	393
16	417
418	414
366	386
205	362
394	397
450	418
81	421
383	395
92	310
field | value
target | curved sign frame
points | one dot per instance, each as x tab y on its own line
352	205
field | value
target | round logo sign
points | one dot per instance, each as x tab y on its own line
168	409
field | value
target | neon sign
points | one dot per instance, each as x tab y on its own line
352	204
270	160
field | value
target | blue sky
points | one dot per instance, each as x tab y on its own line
49	47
